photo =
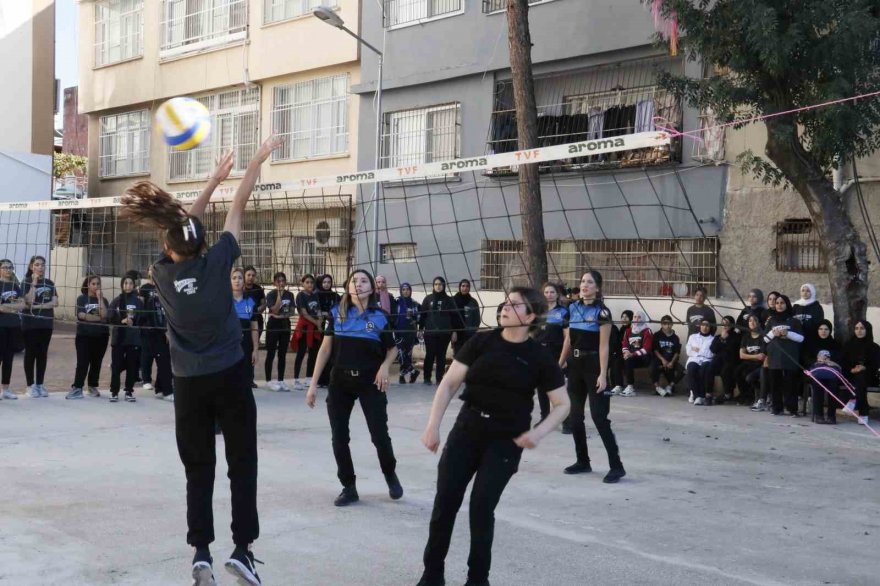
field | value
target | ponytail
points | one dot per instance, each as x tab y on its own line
147	204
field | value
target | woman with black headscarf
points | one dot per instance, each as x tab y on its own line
437	319
755	307
327	298
783	339
763	402
822	355
468	315
862	360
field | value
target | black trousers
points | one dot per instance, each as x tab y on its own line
147	355
405	343
748	379
824	405
7	352
226	398
473	451
155	348
765	384
785	388
436	345
277	341
615	370
90	352
125	359
700	378
725	367
301	352
36	354
345	389
860	382
630	366
673	374
543	399
582	375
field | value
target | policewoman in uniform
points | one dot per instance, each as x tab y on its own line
587	344
500	369
551	333
211	373
360	336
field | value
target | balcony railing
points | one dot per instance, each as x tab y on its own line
498	5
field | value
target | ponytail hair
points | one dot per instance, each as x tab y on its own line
147	204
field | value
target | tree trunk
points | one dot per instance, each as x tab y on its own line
846	254
531	208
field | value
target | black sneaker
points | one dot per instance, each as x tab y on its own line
129	397
202	568
426	582
579	468
477	583
348	496
395	491
241	565
401	380
114	397
566	427
413	376
427	381
614	475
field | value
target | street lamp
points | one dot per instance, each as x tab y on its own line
330	17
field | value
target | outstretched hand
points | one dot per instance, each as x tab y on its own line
269	145
224	167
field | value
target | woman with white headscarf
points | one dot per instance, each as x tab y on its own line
809	312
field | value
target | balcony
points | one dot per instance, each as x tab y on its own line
601	102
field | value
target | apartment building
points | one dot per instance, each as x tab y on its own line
260	66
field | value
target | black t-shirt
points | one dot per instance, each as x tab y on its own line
308	303
89	306
39	319
753	346
695	315
667	346
154	313
502	376
10	292
285	311
124	306
258	294
203	328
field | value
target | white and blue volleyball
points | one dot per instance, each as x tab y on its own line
185	123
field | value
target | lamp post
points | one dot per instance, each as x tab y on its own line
330	17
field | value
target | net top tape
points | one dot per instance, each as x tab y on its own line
407	173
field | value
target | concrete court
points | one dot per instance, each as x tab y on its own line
93	495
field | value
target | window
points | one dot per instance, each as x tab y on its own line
278	10
400	252
193	25
399	12
312	118
125	144
498	5
798	248
426	135
659	267
119	31
235	117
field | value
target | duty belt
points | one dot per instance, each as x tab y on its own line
584	353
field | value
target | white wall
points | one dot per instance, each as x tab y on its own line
16	69
25	177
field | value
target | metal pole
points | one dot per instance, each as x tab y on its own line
378	164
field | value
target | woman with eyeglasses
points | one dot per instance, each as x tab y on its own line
500	370
37	324
11	305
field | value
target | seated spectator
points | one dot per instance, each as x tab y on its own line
699	311
667	350
862	358
752	353
615	355
823	359
725	347
636	346
699	364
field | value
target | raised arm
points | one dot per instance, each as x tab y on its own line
243	193
221	172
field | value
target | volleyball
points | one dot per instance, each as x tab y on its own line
185	123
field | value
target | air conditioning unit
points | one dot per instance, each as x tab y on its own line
330	233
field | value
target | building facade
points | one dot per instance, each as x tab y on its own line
255	66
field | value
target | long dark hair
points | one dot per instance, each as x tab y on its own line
85	284
345	303
560	292
147	204
28	275
535	304
597	278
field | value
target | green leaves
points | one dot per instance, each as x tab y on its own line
65	164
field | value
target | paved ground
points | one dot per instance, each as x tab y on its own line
93	495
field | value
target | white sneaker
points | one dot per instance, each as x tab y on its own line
629	391
691	398
7	394
699	401
669	391
660	391
863	419
169	398
282	386
616	390
307	381
148	387
33	392
274	386
300	386
43	392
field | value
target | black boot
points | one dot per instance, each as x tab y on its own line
395	490
579	468
401	380
413	376
614	475
348	496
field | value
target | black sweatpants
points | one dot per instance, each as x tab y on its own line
673	374
700	378
90	352
436	345
725	367
36	353
785	387
630	366
543	399
474	450
156	348
404	343
582	375
748	379
226	398
7	352
125	359
824	405
345	389
277	341
302	351
860	381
